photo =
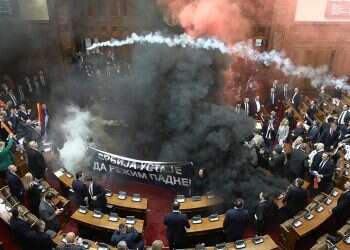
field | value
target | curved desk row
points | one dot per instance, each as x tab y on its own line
103	223
190	205
125	204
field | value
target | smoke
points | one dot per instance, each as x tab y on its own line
76	131
317	76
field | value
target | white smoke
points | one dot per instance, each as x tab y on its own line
317	76
77	131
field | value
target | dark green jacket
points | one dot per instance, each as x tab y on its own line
6	157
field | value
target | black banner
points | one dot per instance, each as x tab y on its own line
174	174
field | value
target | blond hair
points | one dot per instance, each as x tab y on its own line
27	180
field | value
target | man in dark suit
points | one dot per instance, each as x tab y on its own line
324	173
273	99
236	221
329	137
344	117
276	161
80	190
264	212
97	195
296	99
15	184
19	227
176	222
317	157
296	198
314	132
48	212
311	112
246	106
36	162
298	131
342	210
38	239
297	163
255	106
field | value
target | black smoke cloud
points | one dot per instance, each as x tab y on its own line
171	103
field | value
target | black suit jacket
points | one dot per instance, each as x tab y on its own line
235	223
295	199
40	240
327	172
297	162
276	164
36	163
254	108
80	191
327	139
15	184
316	161
176	224
19	227
297	101
100	192
342	210
313	134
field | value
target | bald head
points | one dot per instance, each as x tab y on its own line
12	168
70	237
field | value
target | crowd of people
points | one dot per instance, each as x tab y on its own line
296	149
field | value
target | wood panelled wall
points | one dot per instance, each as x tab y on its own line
312	44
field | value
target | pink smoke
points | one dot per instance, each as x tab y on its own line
215	18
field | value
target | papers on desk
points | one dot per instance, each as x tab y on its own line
347	240
335	193
102	246
69	175
328	201
59	173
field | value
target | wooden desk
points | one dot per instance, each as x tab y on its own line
190	206
93	245
206	226
59	200
341	245
309	225
127	204
103	222
268	244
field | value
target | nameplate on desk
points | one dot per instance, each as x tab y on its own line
328	201
240	244
309	216
335	193
130	220
122	195
221	246
108	193
113	217
196	198
85	244
210	195
213	217
297	223
102	246
347	165
97	214
69	175
8	208
180	198
196	219
319	209
347	240
258	240
83	210
346	173
136	197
